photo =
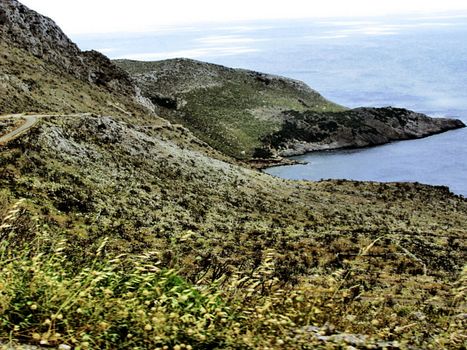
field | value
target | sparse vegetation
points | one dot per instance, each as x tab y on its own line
128	231
134	301
363	259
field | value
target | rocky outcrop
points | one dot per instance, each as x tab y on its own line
312	131
101	71
39	35
26	29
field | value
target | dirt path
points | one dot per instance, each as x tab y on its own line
30	121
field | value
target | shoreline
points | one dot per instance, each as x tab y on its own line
261	164
283	156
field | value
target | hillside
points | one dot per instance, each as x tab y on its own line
42	70
230	109
84	178
247	114
120	229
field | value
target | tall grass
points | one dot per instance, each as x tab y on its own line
132	302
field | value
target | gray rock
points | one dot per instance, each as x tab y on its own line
40	36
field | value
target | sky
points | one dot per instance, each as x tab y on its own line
107	16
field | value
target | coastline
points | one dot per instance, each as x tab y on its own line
298	148
302	148
283	156
436	161
263	163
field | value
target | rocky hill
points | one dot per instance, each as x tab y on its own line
230	109
41	69
123	230
247	114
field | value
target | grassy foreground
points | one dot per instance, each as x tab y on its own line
123	302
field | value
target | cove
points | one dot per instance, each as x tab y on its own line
436	160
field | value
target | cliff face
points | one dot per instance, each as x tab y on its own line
251	115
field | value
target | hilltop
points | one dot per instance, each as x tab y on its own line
42	70
122	227
249	115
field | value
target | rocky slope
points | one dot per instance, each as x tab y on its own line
40	36
41	69
311	131
247	114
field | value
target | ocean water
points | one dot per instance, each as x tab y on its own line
418	63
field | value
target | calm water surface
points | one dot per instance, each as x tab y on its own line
418	63
436	160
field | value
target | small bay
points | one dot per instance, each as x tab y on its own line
436	160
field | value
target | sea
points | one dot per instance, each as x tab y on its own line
417	62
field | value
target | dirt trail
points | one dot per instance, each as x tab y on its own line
30	121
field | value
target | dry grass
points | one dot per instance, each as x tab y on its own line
134	301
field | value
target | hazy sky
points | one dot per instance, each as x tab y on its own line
97	16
